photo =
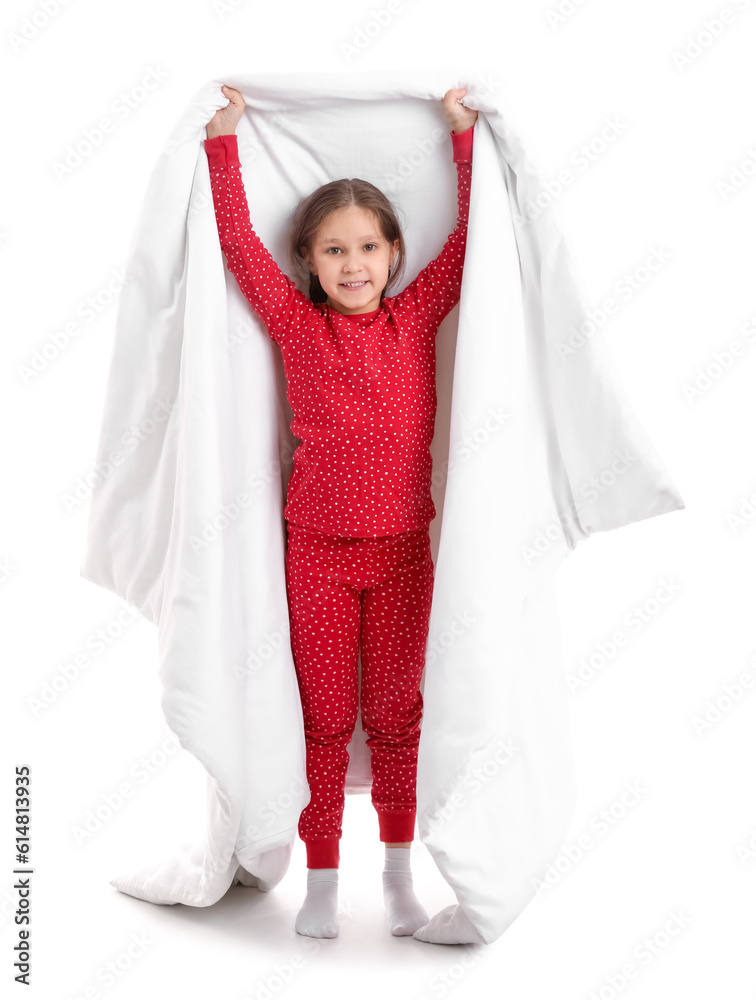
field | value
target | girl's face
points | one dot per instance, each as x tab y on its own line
351	258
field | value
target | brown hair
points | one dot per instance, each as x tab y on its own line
313	210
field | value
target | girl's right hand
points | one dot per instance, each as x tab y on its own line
225	120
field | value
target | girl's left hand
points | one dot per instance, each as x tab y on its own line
457	116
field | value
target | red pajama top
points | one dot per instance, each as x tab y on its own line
362	387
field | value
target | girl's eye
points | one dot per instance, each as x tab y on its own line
338	250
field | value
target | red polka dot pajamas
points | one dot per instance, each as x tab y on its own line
359	572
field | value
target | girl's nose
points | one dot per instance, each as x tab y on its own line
352	262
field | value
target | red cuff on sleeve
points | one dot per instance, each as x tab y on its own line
462	144
222	150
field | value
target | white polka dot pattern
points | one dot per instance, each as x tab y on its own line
362	387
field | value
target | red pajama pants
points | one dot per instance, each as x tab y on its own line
371	595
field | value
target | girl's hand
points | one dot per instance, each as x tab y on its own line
457	116
225	120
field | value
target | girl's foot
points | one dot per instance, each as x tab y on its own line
317	917
404	914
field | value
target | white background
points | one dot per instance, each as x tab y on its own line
682	846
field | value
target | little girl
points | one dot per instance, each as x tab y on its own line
360	370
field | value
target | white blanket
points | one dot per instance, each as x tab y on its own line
535	448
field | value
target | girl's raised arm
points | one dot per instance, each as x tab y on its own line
273	295
435	291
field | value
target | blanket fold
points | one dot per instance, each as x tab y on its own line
536	447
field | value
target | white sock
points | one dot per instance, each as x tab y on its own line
404	913
317	917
